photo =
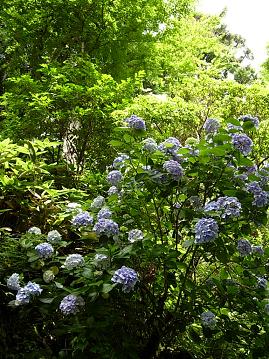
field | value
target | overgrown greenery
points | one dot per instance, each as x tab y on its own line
70	73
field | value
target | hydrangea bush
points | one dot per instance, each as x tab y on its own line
166	256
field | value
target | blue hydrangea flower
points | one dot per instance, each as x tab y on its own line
127	277
174	168
228	206
254	120
254	187
244	247
98	202
106	227
71	304
54	236
242	143
258	250
34	230
261	283
135	235
136	123
13	282
211	126
73	261
119	161
170	145
104	213
114	177
44	250
22	297
208	319
206	230
150	145
82	219
261	199
112	190
33	288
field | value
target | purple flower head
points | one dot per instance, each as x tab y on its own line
258	250
211	126
208	319
125	276
13	282
150	145
119	161
82	219
22	297
104	213
229	206
170	145
33	288
135	235
73	261
113	190
101	261
174	168
114	177
106	227
244	247
254	120
71	304
98	202
261	199
242	143
206	230
254	187
34	230
136	123
44	250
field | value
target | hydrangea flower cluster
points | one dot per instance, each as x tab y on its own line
206	230
242	143
82	219
254	120
136	123
104	213
119	161
34	230
228	206
211	126
54	237
98	202
135	235
106	227
73	261
170	146
208	319
73	207
101	260
71	304
44	250
261	283
125	276
244	247
261	197
150	145
114	177
112	190
13	282
25	294
174	168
